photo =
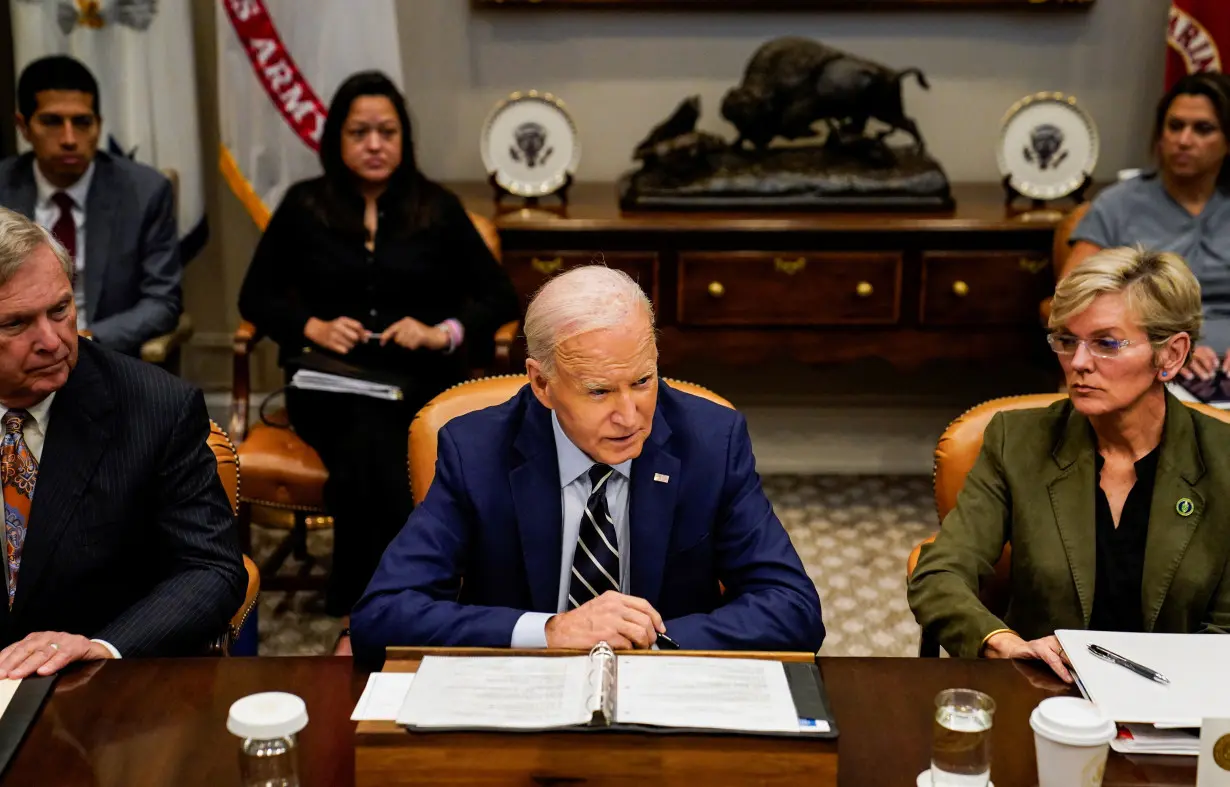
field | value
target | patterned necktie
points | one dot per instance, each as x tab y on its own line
595	564
65	229
19	473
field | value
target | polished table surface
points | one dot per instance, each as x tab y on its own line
163	722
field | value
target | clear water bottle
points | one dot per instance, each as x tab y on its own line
268	723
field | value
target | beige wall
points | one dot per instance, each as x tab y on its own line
622	72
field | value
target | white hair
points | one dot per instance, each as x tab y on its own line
581	300
19	238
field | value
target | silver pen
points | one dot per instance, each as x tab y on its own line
1139	669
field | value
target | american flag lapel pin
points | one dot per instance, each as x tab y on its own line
661	478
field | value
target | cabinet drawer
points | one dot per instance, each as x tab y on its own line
529	270
984	287
789	288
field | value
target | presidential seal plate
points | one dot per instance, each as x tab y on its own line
1048	146
530	145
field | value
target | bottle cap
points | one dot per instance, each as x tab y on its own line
269	715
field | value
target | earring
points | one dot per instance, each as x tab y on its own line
1165	374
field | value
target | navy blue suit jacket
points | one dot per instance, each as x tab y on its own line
493	518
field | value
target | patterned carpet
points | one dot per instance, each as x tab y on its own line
852	532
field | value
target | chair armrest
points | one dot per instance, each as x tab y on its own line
158	349
222	646
505	338
245	338
912	561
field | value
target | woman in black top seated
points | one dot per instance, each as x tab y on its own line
374	265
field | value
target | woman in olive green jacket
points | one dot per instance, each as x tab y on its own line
1115	500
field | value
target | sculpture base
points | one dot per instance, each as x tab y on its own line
814	177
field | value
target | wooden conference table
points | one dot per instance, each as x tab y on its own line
163	722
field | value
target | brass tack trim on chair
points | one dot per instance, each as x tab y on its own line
935	457
409	480
278	506
224	641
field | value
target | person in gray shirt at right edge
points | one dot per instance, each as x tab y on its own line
1182	207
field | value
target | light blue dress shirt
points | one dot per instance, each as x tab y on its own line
574	465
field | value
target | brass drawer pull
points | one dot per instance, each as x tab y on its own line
1034	265
864	289
716	289
547	267
960	289
790	267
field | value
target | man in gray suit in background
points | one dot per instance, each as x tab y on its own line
115	217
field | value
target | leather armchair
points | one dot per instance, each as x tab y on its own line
228	473
283	476
955	453
470	396
1060	252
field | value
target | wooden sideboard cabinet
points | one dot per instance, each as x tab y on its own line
816	287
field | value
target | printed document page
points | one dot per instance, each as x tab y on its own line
748	695
498	692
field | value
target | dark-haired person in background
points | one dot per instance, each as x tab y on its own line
377	265
115	217
1182	207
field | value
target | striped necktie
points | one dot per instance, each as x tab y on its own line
595	563
19	473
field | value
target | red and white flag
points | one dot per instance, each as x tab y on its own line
1197	38
279	63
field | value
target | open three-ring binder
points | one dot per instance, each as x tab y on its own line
606	691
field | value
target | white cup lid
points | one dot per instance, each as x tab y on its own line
1128	174
269	715
1072	720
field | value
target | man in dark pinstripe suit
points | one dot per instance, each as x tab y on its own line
118	539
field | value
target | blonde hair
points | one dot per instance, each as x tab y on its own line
583	299
1161	292
19	238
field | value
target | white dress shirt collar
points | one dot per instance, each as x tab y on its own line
573	462
35	433
79	191
38	412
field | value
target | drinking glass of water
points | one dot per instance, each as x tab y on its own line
961	739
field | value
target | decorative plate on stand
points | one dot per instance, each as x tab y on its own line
530	145
1048	147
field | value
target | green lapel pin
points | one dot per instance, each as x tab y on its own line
1185	506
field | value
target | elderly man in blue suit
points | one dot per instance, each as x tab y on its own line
596	504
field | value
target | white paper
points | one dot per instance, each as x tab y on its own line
310	380
705	693
383	697
1195	664
498	692
8	687
1147	739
